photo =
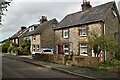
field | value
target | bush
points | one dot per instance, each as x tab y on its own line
10	49
115	62
21	51
5	46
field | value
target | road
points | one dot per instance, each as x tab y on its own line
16	69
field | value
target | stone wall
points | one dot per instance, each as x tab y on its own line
75	39
56	58
86	61
47	37
59	58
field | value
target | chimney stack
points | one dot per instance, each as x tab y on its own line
43	19
86	5
22	28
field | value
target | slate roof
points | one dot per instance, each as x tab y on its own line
19	33
93	14
40	28
27	33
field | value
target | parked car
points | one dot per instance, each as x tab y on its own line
43	51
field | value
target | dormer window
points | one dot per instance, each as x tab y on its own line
31	29
65	33
83	31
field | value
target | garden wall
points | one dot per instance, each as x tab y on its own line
59	58
86	61
56	58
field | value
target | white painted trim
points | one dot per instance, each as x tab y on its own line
105	56
66	30
56	49
93	54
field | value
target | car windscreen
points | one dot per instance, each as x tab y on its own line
40	50
47	51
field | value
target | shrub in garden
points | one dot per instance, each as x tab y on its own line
5	46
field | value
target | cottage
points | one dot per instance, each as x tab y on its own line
41	35
71	34
17	38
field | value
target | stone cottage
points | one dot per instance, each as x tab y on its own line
17	38
41	35
71	34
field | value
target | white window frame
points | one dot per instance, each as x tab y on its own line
65	31
81	51
64	48
16	40
81	29
114	13
13	41
31	29
33	47
26	38
34	38
38	47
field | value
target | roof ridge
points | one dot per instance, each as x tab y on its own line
94	14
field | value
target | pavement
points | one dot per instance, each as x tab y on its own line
82	72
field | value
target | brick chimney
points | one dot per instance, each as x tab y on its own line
43	19
22	28
86	5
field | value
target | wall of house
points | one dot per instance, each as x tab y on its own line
35	42
111	23
111	27
75	39
47	37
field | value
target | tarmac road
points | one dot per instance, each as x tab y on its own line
15	69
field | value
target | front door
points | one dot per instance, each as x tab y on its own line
59	49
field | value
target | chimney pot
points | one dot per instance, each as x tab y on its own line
22	28
43	19
86	5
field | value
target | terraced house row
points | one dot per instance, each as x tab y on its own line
70	35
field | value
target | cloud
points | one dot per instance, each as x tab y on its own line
28	12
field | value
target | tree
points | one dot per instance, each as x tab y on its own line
103	42
26	45
5	46
3	7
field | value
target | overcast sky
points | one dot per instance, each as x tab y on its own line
28	12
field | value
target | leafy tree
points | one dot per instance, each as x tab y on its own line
103	42
26	45
3	7
5	46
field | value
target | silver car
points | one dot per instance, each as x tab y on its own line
43	51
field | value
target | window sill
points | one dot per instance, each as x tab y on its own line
65	37
83	54
83	35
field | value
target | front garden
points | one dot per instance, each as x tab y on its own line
23	49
